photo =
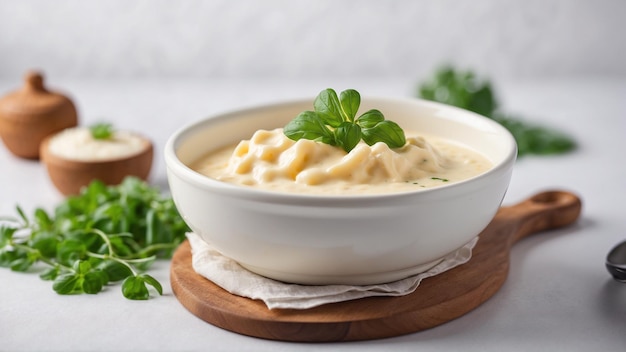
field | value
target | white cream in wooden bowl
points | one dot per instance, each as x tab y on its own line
79	144
74	158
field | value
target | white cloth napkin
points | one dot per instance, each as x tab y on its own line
237	280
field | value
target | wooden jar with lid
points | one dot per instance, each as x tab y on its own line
30	114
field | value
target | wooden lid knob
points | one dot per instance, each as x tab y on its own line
33	99
34	81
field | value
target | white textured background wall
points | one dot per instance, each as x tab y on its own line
299	38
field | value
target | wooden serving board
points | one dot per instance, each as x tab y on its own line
437	300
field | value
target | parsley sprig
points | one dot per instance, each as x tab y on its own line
467	91
105	235
334	122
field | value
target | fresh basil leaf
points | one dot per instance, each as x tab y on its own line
81	267
70	250
152	282
370	118
7	257
135	288
66	284
21	264
350	101
387	132
328	107
119	246
94	281
50	273
45	242
348	135
6	235
91	285
116	271
43	219
100	275
308	125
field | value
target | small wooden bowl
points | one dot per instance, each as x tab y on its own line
69	176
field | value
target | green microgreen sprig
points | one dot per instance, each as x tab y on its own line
105	235
101	130
334	122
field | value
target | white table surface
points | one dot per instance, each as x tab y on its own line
558	296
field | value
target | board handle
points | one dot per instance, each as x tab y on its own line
543	211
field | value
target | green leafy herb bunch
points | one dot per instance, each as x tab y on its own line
104	235
467	91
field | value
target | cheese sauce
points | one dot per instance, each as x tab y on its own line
271	161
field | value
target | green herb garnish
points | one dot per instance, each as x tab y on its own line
101	131
465	90
104	235
334	122
439	179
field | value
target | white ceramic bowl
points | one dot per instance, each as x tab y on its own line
358	239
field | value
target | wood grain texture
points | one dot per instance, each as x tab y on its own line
437	300
70	176
30	114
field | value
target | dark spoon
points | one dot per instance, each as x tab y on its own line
616	262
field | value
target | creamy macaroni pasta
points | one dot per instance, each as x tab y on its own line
271	161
